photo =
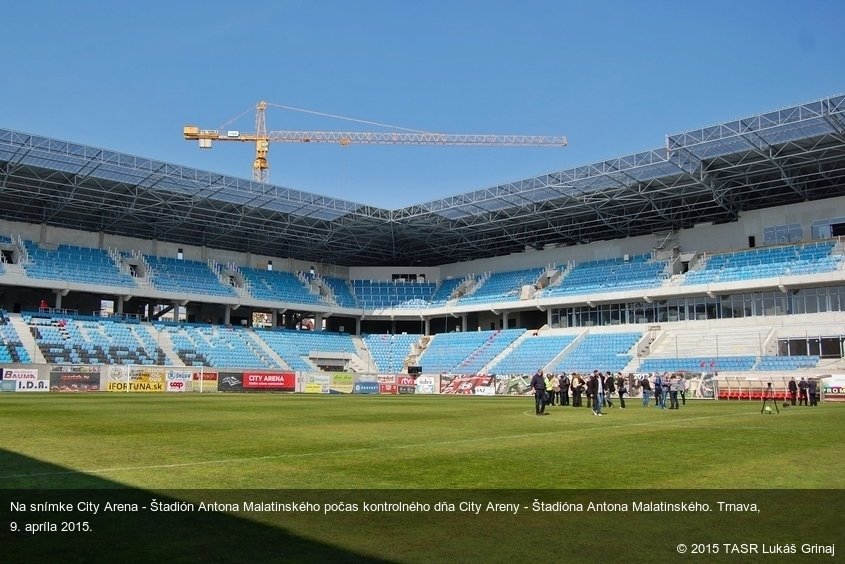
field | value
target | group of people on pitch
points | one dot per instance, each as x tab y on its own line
599	389
551	389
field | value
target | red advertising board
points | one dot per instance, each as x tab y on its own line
402	380
284	381
206	376
388	389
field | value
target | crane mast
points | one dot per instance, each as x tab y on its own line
262	139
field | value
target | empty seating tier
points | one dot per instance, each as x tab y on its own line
75	264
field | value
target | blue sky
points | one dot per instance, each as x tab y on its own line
614	77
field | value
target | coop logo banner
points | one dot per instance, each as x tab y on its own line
279	381
178	381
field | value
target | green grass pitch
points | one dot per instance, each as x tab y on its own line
239	441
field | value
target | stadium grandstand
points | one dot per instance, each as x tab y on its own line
721	251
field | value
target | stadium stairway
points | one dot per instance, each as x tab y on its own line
566	351
487	368
163	341
27	340
364	354
266	349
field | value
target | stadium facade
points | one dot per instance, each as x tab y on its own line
732	229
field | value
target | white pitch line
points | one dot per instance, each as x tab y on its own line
355	450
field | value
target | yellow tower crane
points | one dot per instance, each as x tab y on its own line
262	138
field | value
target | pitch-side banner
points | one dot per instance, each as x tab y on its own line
514	385
230	382
135	379
428	384
834	387
342	383
267	381
178	380
204	381
452	384
365	387
25	379
79	378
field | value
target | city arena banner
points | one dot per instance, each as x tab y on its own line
453	384
833	387
25	379
427	385
342	383
269	381
80	378
178	380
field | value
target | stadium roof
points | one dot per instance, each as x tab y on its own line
707	175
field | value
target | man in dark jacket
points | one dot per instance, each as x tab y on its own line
793	390
538	384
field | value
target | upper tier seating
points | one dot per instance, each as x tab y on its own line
390	351
600	351
610	275
532	354
698	364
503	286
342	293
444	291
65	340
295	347
11	347
395	294
217	347
767	262
274	285
465	353
75	264
185	276
786	363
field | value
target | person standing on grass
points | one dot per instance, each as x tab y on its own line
658	389
609	389
682	388
621	389
577	388
813	391
645	385
564	389
596	388
802	391
551	384
674	389
793	390
538	384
